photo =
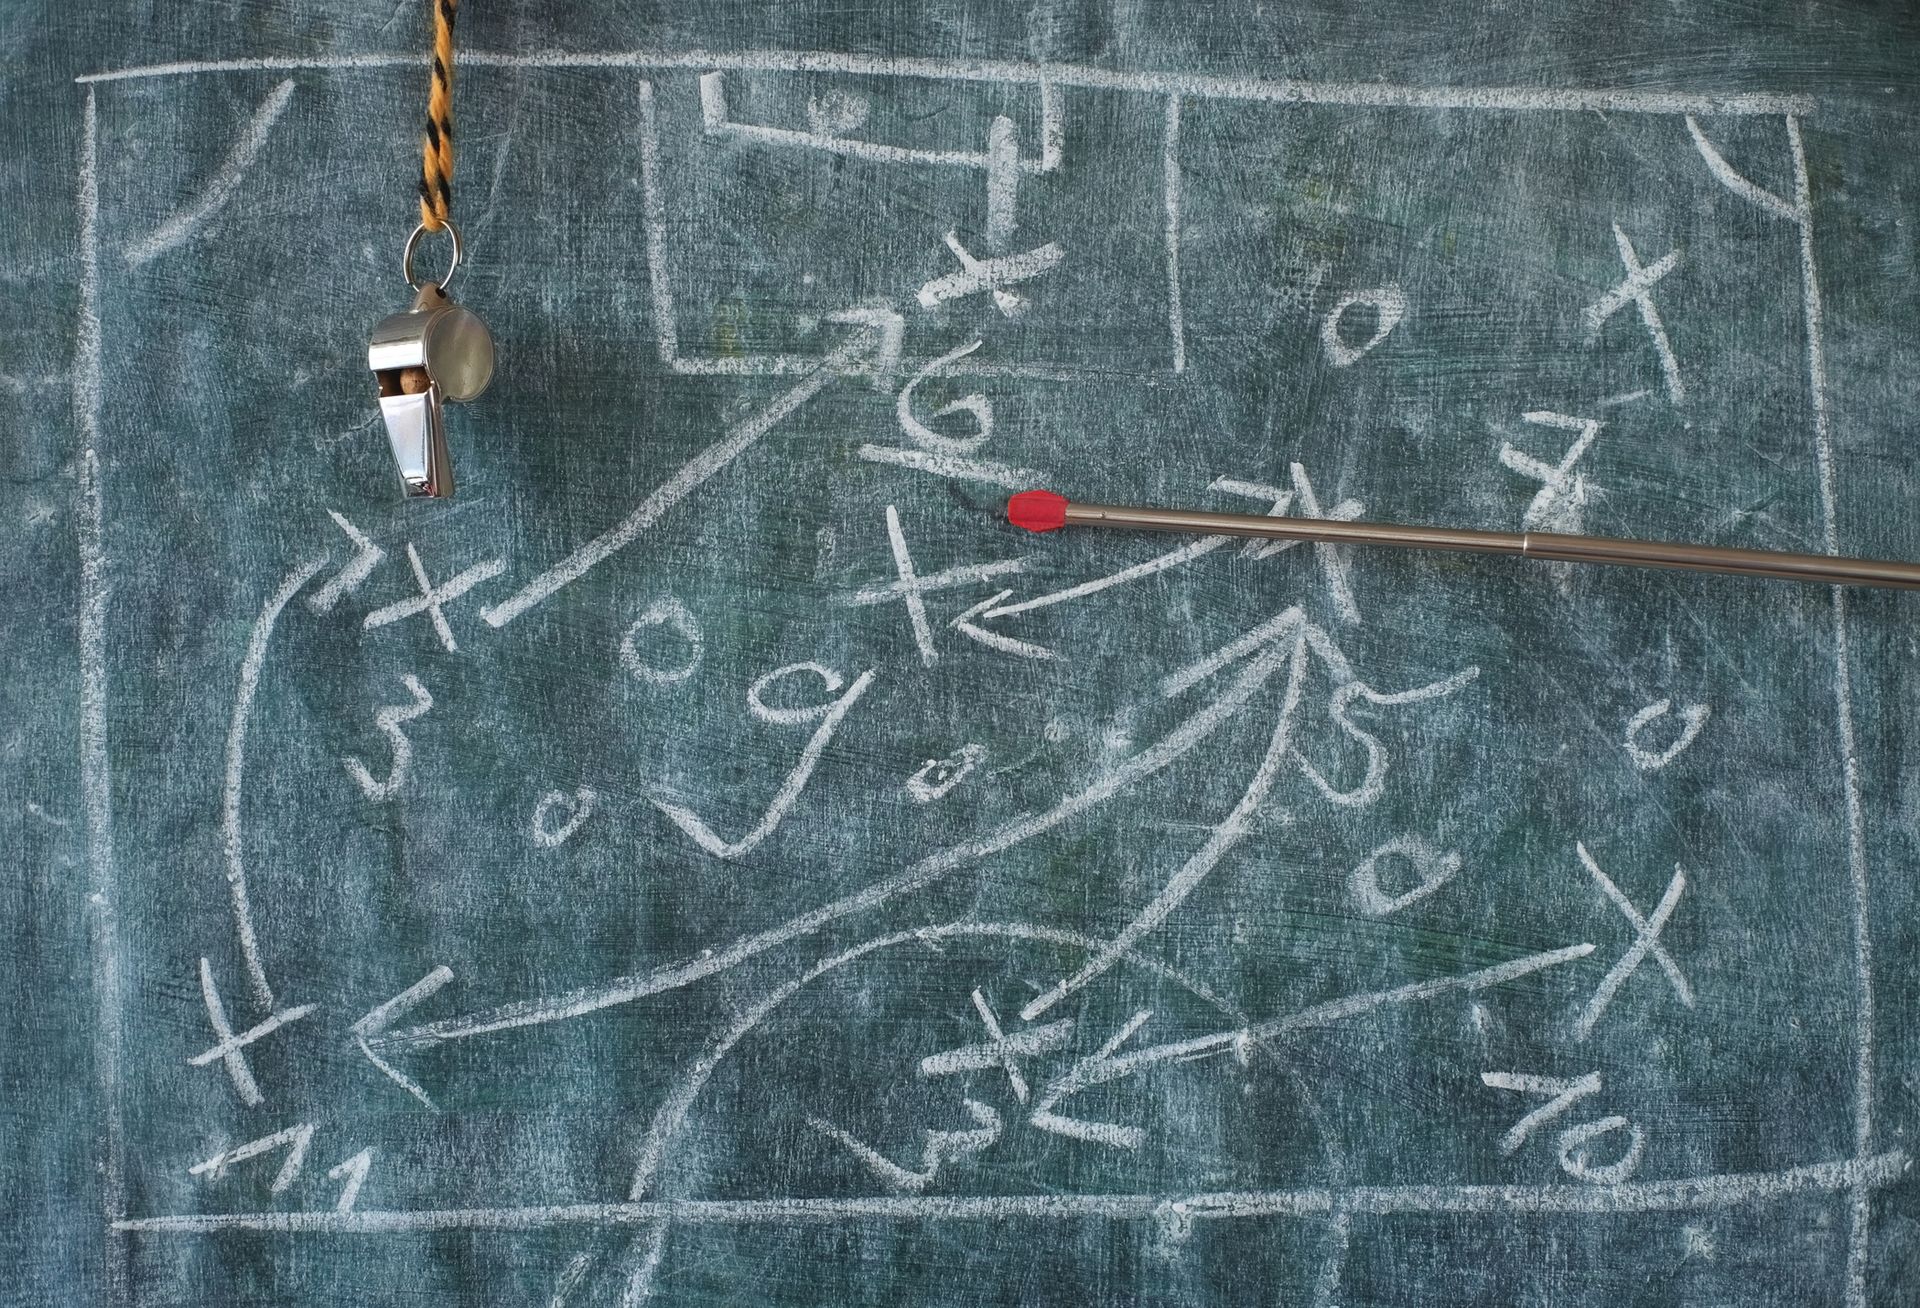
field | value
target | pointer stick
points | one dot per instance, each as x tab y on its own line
1039	510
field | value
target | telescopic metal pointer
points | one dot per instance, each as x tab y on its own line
1039	510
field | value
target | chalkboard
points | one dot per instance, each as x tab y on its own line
715	858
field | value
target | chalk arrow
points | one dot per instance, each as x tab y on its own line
366	1032
965	625
366	558
877	336
295	1138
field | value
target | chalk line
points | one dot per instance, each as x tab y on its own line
588	999
1199	86
1159	563
1003	182
1230	831
245	150
653	214
965	625
250	668
1266	633
965	574
677	487
1861	1207
953	467
1723	172
96	767
1713	1191
1098	1071
909	588
431	597
1170	193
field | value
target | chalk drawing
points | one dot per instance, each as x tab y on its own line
1646	942
1636	289
1080	1077
831	117
910	587
354	1172
1170	185
1562	1094
670	613
941	1148
1576	1154
236	766
294	1140
228	1047
388	720
366	557
1432	868
1563	492
431	597
1692	718
828	714
1389	305
178	228
966	626
938	776
993	275
575	810
1707	1193
367	1031
1000	1050
976	405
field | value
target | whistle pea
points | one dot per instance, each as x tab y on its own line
434	354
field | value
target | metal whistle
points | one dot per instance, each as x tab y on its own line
433	354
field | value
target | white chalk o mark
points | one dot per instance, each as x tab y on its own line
1432	869
577	808
1389	306
668	612
939	775
1692	718
1576	1158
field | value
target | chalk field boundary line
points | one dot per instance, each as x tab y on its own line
1198	86
1720	1190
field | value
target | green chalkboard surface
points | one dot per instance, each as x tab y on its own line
715	859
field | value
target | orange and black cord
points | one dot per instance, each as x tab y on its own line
436	155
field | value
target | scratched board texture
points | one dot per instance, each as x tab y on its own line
714	858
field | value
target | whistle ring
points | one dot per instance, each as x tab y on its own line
413	242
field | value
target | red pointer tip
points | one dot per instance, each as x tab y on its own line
1037	510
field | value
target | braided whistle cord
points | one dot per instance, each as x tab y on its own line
436	153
